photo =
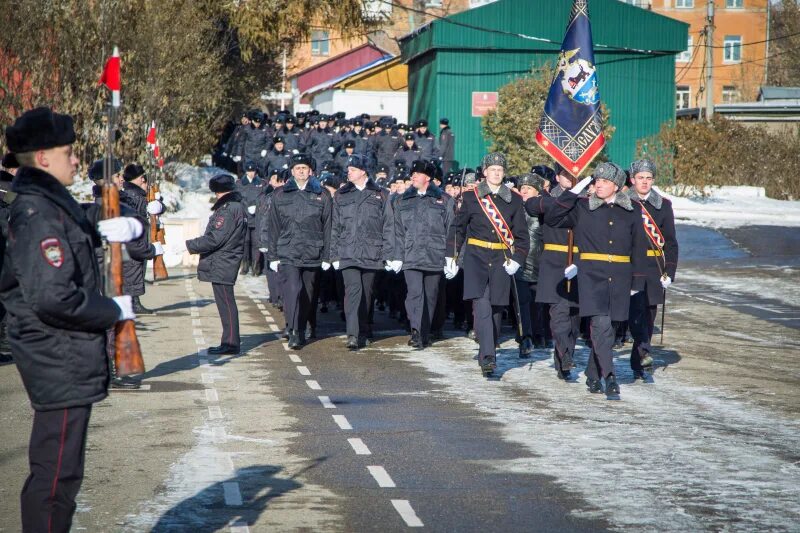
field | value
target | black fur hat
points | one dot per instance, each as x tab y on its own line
222	183
423	167
10	161
132	172
96	170
39	129
301	159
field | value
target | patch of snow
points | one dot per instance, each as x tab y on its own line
784	290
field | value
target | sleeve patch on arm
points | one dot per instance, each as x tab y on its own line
52	252
218	222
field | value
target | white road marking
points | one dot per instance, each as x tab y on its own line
273	327
326	402
239	527
304	371
197	332
294	358
381	476
342	422
218	434
195	313
214	412
261	307
269	318
200	340
196	322
207	378
407	513
212	396
359	447
285	346
765	308
233	496
313	385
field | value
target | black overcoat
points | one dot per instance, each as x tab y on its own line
222	246
422	224
362	231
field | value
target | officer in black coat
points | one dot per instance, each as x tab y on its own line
409	152
251	187
134	195
221	249
660	264
552	288
322	143
362	241
298	233
493	252
425	140
8	167
611	264
51	286
423	216
256	142
274	283
447	145
278	156
235	145
386	143
293	136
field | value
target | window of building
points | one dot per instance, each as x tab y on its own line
732	49
637	3
686	55
730	94
734	4
320	43
682	96
433	3
684	3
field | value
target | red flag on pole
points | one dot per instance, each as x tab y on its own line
111	76
151	135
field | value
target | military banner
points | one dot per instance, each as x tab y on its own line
571	130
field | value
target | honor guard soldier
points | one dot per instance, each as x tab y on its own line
52	289
221	248
553	287
134	195
362	241
613	250
658	222
423	216
492	223
299	232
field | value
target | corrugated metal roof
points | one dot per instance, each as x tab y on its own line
779	93
330	83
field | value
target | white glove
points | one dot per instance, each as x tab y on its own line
155	207
394	265
224	154
335	265
577	189
450	268
273	265
331	149
262	250
263	153
159	248
666	281
511	267
237	158
326	265
159	197
634	292
120	229
251	209
388	266
571	271
295	151
125	305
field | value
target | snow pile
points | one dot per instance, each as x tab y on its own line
81	189
732	207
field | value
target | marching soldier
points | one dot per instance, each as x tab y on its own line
221	249
322	143
51	286
613	253
662	261
492	223
278	156
425	140
256	142
386	143
447	142
233	148
251	187
362	240
423	217
409	152
298	233
276	180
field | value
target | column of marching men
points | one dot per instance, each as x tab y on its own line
356	215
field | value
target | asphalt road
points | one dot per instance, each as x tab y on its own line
389	438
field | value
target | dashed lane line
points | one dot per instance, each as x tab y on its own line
313	385
406	512
214	412
212	396
239	527
382	477
304	371
294	358
359	447
342	422
326	402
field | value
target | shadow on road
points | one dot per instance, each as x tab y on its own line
238	500
184	305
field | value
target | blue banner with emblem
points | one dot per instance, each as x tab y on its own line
571	130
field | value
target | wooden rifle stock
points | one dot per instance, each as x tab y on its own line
570	238
127	354
156	235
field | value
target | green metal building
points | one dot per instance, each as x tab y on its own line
475	51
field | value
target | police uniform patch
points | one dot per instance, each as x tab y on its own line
52	252
218	222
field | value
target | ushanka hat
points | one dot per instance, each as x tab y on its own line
611	172
39	129
643	165
495	158
423	167
222	183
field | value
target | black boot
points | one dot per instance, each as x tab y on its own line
525	348
488	364
594	385
245	268
311	333
352	343
286	333
223	349
566	375
125	382
415	341
294	340
612	388
138	308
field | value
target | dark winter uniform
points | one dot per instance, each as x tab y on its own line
322	144
298	233
447	148
486	282
251	191
293	139
274	284
611	263
256	142
221	248
659	261
140	250
278	160
527	279
552	285
235	146
422	224
362	239
408	155
427	145
385	145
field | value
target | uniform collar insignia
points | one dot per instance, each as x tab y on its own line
230	197
504	192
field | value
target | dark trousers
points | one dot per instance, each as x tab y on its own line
358	284
252	255
299	288
527	292
422	291
488	319
565	325
601	358
273	286
541	320
440	311
56	456
641	320
228	313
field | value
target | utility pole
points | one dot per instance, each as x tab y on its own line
283	81
710	60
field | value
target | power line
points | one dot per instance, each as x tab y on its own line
771	39
685	69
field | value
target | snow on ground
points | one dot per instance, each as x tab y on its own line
751	284
732	207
